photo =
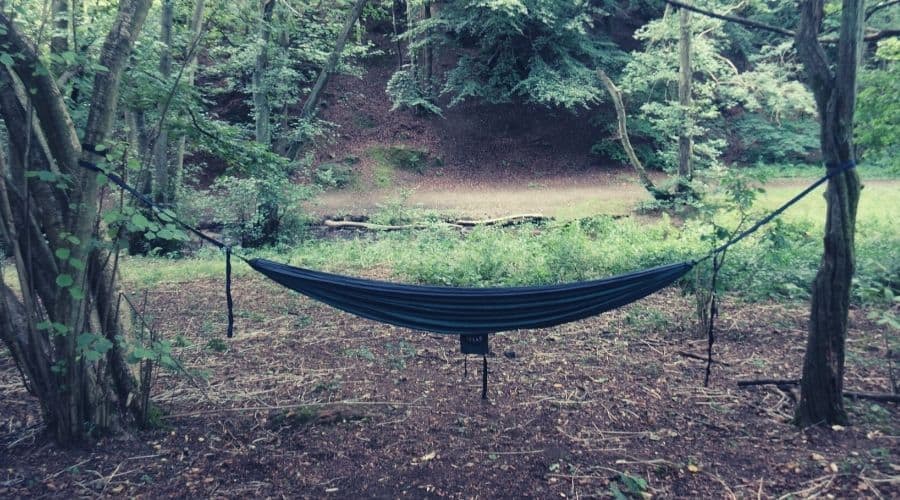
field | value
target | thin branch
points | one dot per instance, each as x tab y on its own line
735	19
871	37
879	6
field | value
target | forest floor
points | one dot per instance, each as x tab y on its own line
310	402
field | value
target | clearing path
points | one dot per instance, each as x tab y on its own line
612	192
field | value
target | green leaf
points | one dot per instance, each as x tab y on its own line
64	280
139	221
6	59
77	264
62	253
76	293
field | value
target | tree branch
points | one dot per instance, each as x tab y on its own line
734	19
871	37
879	6
50	108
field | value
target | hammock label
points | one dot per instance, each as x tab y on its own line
474	344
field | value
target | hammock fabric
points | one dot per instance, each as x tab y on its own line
471	311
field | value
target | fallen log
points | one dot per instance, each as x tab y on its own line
345	224
872	396
510	220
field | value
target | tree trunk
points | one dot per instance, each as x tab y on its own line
309	107
312	100
66	288
163	189
261	106
398	11
685	139
644	178
427	60
59	41
821	386
196	28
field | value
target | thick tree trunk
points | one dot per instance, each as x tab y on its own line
63	296
261	107
685	77
163	189
821	387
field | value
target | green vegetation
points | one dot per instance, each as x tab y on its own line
777	262
403	157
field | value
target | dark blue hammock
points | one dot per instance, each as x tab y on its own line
472	311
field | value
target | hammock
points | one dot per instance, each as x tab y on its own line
471	313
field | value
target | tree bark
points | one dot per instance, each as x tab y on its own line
59	41
78	396
821	385
398	11
644	178
685	139
261	106
196	29
312	100
163	192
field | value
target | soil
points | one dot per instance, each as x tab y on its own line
310	402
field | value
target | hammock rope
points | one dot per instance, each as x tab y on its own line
472	313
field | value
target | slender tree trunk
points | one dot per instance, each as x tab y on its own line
191	68
59	42
398	11
427	59
644	178
685	139
162	178
821	387
262	109
312	100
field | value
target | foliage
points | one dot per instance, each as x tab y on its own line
404	158
254	212
764	96
302	36
405	92
878	106
338	174
540	51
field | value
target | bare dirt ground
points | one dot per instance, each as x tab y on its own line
309	402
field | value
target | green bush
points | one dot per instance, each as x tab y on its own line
338	174
254	212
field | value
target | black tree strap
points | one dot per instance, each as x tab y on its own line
832	170
167	216
484	374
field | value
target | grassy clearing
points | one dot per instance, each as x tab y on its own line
777	262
